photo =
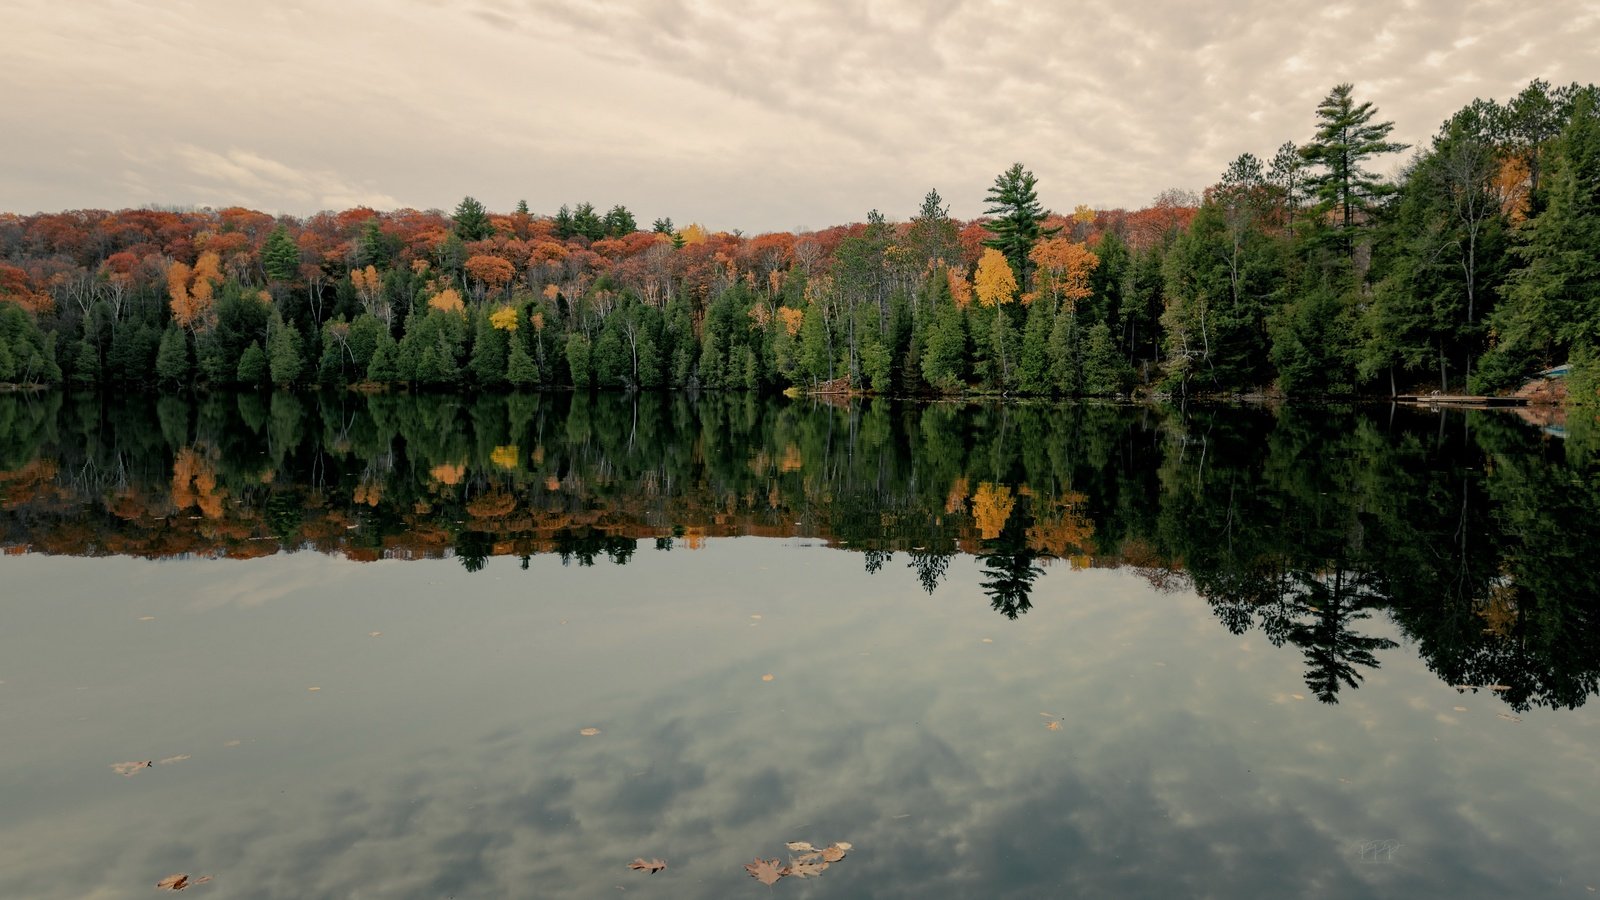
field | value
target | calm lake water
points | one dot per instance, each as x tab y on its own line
1002	651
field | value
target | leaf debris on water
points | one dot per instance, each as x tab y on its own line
1053	726
809	864
588	732
173	759
764	870
132	768
652	866
767	677
180	882
313	689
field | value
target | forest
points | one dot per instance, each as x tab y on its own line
1300	272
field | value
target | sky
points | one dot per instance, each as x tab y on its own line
736	114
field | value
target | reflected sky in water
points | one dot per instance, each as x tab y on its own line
443	757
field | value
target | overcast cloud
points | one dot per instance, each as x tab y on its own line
758	116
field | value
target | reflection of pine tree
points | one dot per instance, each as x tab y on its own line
1333	649
930	567
1008	568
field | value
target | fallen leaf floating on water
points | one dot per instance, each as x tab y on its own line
1509	718
652	866
131	768
180	882
1053	726
764	870
173	759
374	634
1459	708
147	618
808	864
803	869
767	677
1497	688
589	732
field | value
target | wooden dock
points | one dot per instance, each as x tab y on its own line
1461	400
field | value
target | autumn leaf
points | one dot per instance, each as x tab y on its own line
797	846
589	732
1053	726
834	852
801	869
180	882
652	866
173	759
132	768
765	871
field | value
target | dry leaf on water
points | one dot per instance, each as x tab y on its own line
1497	688
173	759
1053	726
797	846
589	732
765	871
180	882
802	869
374	634
767	677
1459	708
132	768
652	866
834	852
313	689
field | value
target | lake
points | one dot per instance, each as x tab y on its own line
504	646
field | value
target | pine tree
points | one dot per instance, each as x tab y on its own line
521	370
284	357
280	256
471	221
1346	139
489	353
252	368
172	359
1018	216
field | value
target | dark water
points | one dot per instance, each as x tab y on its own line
1015	651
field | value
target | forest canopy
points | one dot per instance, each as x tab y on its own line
1302	271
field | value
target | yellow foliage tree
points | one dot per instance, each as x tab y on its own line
504	318
694	233
991	506
994	282
191	291
447	300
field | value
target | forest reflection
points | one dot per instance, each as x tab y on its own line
1470	531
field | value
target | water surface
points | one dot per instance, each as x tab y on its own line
1014	651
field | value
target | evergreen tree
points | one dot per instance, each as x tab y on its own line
489	353
280	256
578	361
563	223
1105	371
384	367
284	357
521	370
471	221
1553	298
943	362
1346	140
172	358
1017	225
1033	363
252	368
619	222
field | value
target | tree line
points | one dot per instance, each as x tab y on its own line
1305	273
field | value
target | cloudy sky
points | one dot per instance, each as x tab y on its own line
761	116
